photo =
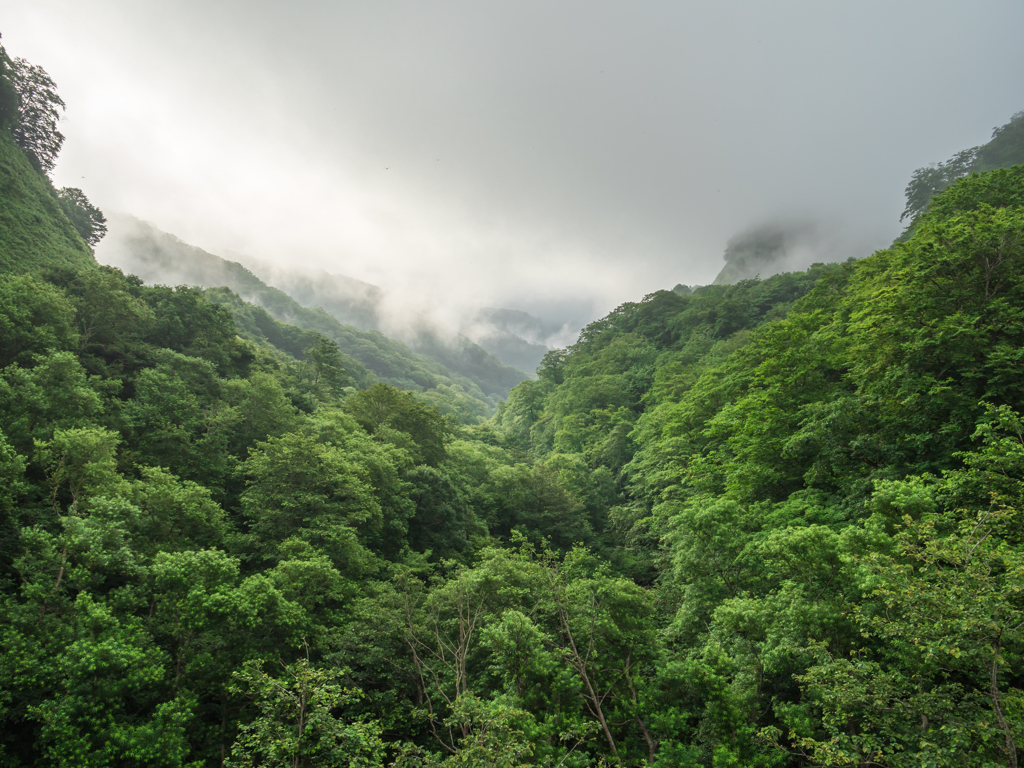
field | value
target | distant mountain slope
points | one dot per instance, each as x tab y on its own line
34	232
158	257
511	336
351	301
514	337
464	357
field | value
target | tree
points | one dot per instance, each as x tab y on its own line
928	181
8	94
604	635
383	406
103	704
87	219
498	738
39	111
944	691
301	488
443	523
296	727
329	375
35	318
1006	149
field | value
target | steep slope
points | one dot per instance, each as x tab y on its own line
760	251
1005	149
779	246
34	232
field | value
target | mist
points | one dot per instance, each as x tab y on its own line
553	158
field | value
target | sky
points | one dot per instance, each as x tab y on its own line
554	157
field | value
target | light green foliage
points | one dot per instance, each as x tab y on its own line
262	410
34	232
455	402
195	611
295	726
175	515
386	466
100	706
166	415
185	322
109	319
519	651
54	393
562	640
604	636
948	608
498	737
1005	150
80	464
329	375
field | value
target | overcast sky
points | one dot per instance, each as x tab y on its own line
520	152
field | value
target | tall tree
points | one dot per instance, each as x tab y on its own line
8	93
38	114
87	219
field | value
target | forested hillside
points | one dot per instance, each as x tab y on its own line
160	258
490	349
776	524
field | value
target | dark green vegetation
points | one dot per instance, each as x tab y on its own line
776	523
33	234
87	219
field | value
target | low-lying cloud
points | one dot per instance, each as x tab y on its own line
555	158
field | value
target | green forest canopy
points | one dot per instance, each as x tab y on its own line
776	523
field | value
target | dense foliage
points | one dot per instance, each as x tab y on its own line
776	523
39	111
